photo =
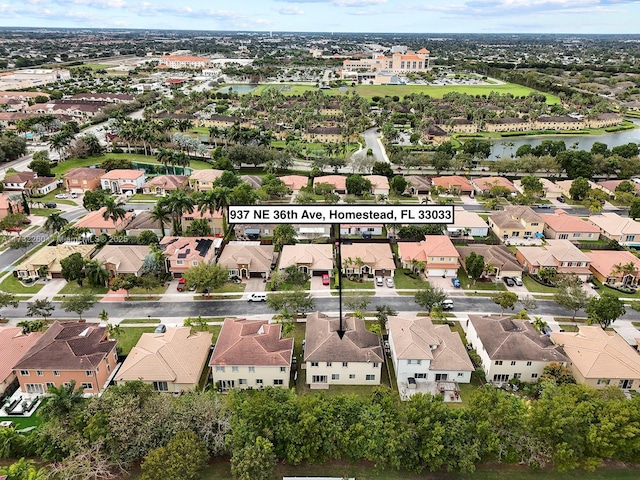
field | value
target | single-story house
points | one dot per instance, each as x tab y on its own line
485	184
248	259
614	267
624	230
46	261
563	226
338	182
165	184
123	259
453	184
144	221
367	259
499	261
97	224
379	184
310	258
202	180
466	222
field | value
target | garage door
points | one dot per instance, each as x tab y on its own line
435	272
255	274
318	273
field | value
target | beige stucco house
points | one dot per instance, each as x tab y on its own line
624	230
367	259
247	259
46	261
515	223
437	252
313	259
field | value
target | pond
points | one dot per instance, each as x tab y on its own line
506	147
238	88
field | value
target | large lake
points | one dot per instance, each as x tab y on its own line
501	147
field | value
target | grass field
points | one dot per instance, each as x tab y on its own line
12	285
535	287
402	280
67	165
73	288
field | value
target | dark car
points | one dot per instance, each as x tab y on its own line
561	199
50	205
509	281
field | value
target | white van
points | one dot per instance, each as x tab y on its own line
447	304
258	297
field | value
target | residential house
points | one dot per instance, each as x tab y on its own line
311	231
30	183
68	351
313	259
46	261
165	184
511	349
323	135
609	187
563	226
13	345
144	221
214	219
454	184
123	259
354	359
295	182
254	180
599	358
565	186
426	353
467	223
624	230
82	179
485	184
614	267
338	182
498	260
172	361
515	223
361	229
439	256
10	204
202	180
251	354
379	184
97	224
560	255
123	181
417	185
183	253
367	259
549	189
248	259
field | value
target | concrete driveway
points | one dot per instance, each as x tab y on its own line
318	289
445	284
253	285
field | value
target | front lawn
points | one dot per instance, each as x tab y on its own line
404	278
73	288
536	287
467	283
162	288
350	285
145	197
51	197
129	337
44	212
12	285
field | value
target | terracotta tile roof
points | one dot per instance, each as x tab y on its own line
205	175
68	346
505	338
123	174
323	343
561	221
614	225
338	181
295	182
97	221
167	182
176	356
486	183
453	181
497	255
84	173
603	261
188	248
431	246
251	342
13	345
596	353
316	256
378	181
553	253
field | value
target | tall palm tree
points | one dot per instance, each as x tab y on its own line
62	401
179	203
161	213
96	273
114	210
222	196
55	223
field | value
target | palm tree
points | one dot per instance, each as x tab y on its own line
62	401
55	223
179	203
114	330
161	213
624	270
114	210
96	273
222	196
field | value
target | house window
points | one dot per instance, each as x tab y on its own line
534	375
179	262
513	363
345	364
563	236
34	388
50	385
234	369
252	369
498	362
39	373
352	376
527	234
314	364
534	224
528	364
370	377
56	373
278	381
242	381
517	375
24	373
335	376
329	364
283	369
258	381
414	362
87	385
219	369
576	235
442	376
194	263
603	381
160	386
629	238
460	374
500	377
442	259
108	367
88	373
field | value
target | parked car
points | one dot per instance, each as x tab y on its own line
379	281
161	328
544	205
181	285
509	281
258	297
447	304
517	281
455	282
325	279
61	195
561	199
390	282
50	205
74	195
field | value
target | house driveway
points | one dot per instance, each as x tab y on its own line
445	284
50	289
467	200
253	285
318	289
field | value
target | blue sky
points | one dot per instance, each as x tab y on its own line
422	16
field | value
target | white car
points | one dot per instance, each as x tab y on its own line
390	282
74	195
61	195
379	281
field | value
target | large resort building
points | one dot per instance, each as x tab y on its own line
381	67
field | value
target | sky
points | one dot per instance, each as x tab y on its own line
390	16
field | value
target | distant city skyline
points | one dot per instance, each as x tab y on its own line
391	16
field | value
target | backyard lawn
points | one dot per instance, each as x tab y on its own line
12	285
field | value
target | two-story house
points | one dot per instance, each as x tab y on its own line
82	179
68	351
516	223
354	359
511	349
561	255
122	181
251	354
439	256
202	180
30	183
182	253
13	345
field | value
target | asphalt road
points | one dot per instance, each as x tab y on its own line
371	140
223	308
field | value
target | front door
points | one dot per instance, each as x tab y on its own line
243	273
625	384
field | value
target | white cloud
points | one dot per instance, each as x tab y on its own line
290	10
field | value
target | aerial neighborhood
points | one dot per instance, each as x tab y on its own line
130	288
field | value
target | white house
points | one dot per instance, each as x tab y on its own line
122	181
467	223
